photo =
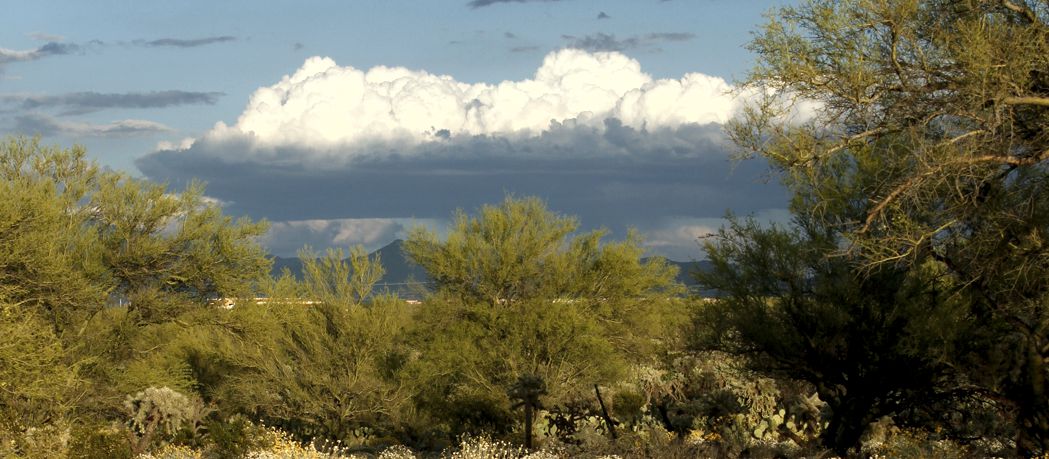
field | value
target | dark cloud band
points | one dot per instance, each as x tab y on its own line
608	42
615	177
185	43
86	102
482	3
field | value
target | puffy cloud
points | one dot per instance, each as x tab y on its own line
184	144
337	153
323	106
682	237
285	238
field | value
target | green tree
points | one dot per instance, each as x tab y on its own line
321	358
165	252
38	386
951	100
47	262
73	241
518	293
871	345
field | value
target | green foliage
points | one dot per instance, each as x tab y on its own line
46	261
518	294
925	151
36	383
92	440
871	345
74	240
165	252
235	437
331	280
321	358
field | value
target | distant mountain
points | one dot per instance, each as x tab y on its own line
402	275
686	268
686	271
405	278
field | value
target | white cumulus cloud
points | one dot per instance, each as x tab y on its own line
324	106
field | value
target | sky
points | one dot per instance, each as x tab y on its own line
349	122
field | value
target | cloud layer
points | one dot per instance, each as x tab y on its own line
48	49
482	3
86	102
37	124
185	42
323	106
608	42
590	133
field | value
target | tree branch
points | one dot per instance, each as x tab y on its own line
1022	10
1028	100
895	193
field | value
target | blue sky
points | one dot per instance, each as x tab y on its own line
612	129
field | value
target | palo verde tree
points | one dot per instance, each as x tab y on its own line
519	293
73	239
870	345
164	252
952	98
47	262
321	358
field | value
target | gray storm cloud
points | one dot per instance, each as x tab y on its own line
329	147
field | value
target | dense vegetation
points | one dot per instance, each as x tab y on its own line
903	312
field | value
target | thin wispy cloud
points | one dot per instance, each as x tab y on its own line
185	42
482	3
524	49
609	42
45	126
670	36
41	36
49	49
87	102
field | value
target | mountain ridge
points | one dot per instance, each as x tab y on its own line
403	276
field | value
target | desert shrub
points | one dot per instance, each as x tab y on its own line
43	442
234	437
91	440
911	444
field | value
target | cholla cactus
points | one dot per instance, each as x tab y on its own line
152	410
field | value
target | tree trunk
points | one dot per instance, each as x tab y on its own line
604	413
849	419
1033	404
528	425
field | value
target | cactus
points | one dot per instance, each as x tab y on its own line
155	410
